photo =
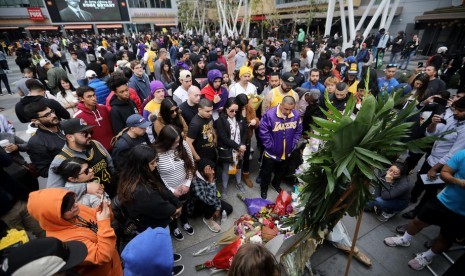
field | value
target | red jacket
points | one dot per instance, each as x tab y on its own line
100	118
132	95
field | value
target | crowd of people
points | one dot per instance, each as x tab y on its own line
157	124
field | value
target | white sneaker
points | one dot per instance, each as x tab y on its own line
212	225
396	241
419	262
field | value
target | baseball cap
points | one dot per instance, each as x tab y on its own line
185	75
44	256
288	79
90	74
74	125
139	257
136	120
350	59
43	62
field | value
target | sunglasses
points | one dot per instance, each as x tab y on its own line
176	110
86	133
233	110
86	171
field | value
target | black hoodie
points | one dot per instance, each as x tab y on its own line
60	111
120	111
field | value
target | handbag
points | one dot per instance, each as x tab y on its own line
225	155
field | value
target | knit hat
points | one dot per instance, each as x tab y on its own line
214	74
155	85
245	70
149	253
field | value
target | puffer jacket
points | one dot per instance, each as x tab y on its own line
279	135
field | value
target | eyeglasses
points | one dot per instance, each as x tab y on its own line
86	133
48	114
176	110
86	171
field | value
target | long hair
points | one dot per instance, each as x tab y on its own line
62	90
168	75
421	93
136	172
165	113
166	138
227	105
197	71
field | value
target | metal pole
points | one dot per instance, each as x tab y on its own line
365	14
329	16
385	14
374	18
392	14
350	11
343	25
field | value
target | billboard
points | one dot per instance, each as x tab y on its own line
79	11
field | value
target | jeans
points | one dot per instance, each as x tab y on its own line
406	60
18	216
4	78
183	217
389	205
225	175
82	82
65	66
359	67
373	51
394	57
268	167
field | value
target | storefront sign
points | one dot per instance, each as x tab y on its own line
35	14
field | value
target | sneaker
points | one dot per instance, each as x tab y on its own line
410	214
240	187
177	234
402	228
376	210
224	194
419	262
212	225
177	270
177	257
263	194
396	241
188	228
385	216
258	179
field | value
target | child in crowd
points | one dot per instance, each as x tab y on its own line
76	171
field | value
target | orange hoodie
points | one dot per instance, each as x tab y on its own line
102	257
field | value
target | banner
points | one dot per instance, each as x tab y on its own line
79	11
35	14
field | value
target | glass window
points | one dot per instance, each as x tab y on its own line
158	4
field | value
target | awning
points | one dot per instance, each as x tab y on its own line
41	28
254	18
9	28
440	16
165	24
109	26
78	27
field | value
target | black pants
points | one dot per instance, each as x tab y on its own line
183	216
65	66
431	191
201	208
4	78
245	158
268	167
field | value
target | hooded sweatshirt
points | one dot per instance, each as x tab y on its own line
120	111
100	119
102	257
60	111
209	92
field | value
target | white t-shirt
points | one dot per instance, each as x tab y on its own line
237	89
180	95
